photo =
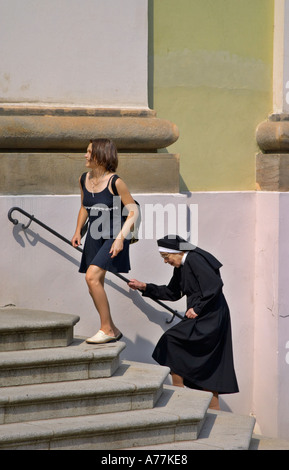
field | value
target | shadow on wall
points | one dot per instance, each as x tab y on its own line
154	315
33	238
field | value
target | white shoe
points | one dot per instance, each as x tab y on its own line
100	337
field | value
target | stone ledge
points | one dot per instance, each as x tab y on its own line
272	172
221	431
78	361
59	172
73	132
22	329
273	135
134	386
48	110
177	416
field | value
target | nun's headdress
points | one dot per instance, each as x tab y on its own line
174	244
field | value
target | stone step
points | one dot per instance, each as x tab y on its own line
78	361
50	398
259	442
24	329
221	431
134	386
178	416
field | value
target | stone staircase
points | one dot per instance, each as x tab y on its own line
58	392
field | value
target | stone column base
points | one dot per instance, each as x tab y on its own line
272	172
272	166
59	172
40	148
72	128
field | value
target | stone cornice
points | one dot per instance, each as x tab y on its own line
273	135
47	110
69	128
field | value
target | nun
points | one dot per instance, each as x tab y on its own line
198	350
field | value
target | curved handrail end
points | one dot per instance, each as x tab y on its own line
14	221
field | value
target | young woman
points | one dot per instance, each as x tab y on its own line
107	241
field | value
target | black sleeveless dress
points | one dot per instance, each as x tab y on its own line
105	222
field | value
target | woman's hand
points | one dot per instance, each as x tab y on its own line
76	239
191	313
82	216
136	285
116	247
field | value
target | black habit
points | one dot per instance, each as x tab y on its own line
198	349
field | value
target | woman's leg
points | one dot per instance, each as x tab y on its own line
214	405
95	281
177	380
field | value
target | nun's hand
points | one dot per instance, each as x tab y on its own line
137	285
191	313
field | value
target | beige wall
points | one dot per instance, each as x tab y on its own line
212	75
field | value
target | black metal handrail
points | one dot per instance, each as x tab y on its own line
58	235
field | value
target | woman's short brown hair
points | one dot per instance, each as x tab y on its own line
105	153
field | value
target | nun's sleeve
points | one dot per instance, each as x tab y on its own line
209	282
170	292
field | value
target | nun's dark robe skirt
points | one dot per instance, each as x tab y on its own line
198	349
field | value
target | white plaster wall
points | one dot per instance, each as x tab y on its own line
286	58
74	52
271	344
283	327
281	57
265	402
40	271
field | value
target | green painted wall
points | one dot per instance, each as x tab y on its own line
211	74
